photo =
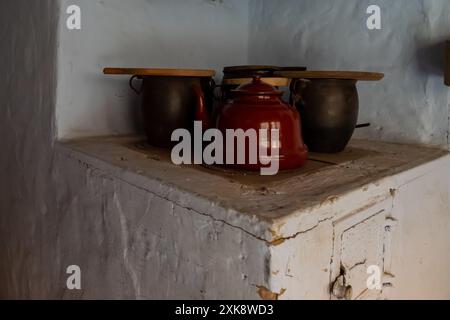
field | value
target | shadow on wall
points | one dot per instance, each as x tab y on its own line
431	58
130	99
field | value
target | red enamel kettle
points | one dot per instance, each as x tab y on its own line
257	106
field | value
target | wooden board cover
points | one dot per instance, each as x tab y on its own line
160	72
346	75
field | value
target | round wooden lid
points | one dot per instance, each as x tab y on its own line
161	72
345	75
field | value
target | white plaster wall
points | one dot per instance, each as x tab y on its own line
27	101
411	104
138	33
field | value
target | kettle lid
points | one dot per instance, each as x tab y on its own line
257	87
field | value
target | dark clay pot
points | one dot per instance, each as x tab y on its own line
329	109
169	103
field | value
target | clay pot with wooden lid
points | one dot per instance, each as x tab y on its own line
168	99
329	104
258	105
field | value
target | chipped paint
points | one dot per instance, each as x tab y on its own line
332	199
277	242
393	192
266	294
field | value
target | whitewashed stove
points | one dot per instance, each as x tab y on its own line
206	233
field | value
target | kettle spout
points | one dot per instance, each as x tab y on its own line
201	113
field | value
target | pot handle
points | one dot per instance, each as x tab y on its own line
132	86
295	97
363	125
201	113
213	86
